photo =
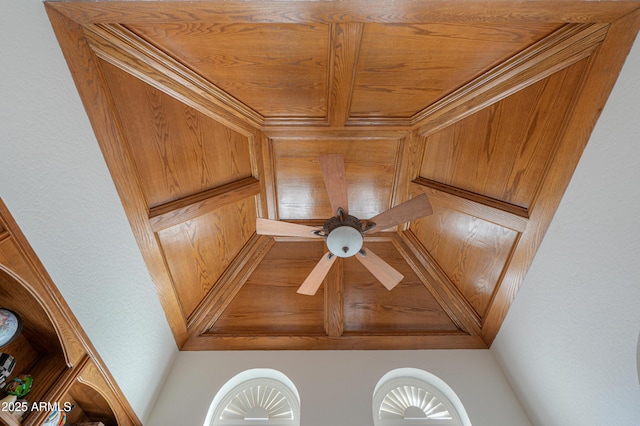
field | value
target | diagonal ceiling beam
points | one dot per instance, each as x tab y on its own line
438	284
122	48
562	48
228	285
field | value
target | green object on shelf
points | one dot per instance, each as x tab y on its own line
19	386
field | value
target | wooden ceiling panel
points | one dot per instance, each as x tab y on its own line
211	113
199	250
471	251
370	308
370	167
278	70
503	151
177	151
402	69
268	302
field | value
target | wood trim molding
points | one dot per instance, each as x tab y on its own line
603	69
344	342
438	284
91	376
262	11
258	172
67	379
122	48
228	285
269	178
375	238
488	209
187	208
97	102
562	48
345	48
409	161
343	133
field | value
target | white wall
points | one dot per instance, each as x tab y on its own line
569	342
336	387
56	184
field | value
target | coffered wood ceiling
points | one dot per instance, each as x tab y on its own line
211	114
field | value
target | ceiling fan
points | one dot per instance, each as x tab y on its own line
343	233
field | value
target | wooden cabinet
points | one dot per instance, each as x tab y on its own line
52	346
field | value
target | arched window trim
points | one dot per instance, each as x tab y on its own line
244	382
424	380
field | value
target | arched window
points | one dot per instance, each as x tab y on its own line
258	396
409	396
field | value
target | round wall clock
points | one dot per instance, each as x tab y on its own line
10	326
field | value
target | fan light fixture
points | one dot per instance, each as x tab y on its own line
344	234
344	241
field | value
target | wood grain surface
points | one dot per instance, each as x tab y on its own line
275	69
177	151
211	114
404	68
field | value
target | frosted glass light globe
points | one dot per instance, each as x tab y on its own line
344	241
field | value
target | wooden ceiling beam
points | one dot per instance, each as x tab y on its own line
122	48
175	212
345	48
438	284
485	208
334	300
562	48
398	11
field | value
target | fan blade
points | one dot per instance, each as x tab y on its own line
380	269
284	229
315	278
335	180
415	208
